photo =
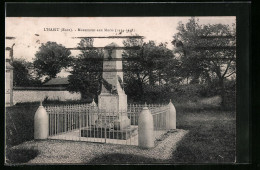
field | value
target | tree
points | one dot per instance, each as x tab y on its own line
51	58
22	76
207	52
152	65
87	67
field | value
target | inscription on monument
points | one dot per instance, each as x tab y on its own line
109	65
108	103
110	77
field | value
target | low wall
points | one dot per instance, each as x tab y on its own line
38	94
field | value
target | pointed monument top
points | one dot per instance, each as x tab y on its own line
113	44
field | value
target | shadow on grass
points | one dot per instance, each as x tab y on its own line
19	156
123	159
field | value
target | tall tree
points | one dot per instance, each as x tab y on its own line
146	66
207	51
22	76
86	74
51	58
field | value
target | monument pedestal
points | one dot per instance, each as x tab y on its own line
122	122
116	105
112	102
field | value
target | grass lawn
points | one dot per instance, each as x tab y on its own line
211	136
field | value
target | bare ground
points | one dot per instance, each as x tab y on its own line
71	152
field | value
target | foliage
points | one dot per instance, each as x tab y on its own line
206	52
176	92
19	124
152	64
86	74
51	58
18	156
22	76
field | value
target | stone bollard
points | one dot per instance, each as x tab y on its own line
93	115
41	123
171	118
145	129
93	104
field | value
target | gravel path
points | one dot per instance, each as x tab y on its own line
72	152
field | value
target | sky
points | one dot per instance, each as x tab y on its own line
30	32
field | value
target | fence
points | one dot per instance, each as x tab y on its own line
134	110
85	122
67	118
160	117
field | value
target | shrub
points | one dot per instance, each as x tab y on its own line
18	156
19	124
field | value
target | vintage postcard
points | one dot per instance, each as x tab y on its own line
120	90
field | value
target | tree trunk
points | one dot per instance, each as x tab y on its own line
222	93
140	84
159	78
151	78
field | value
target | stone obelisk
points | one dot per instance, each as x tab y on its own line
113	97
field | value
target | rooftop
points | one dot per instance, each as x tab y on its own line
57	81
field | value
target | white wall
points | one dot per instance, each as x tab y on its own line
37	95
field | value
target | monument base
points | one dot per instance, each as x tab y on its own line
116	122
122	122
123	134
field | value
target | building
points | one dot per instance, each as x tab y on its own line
57	82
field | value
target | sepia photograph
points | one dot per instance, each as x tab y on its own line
120	90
